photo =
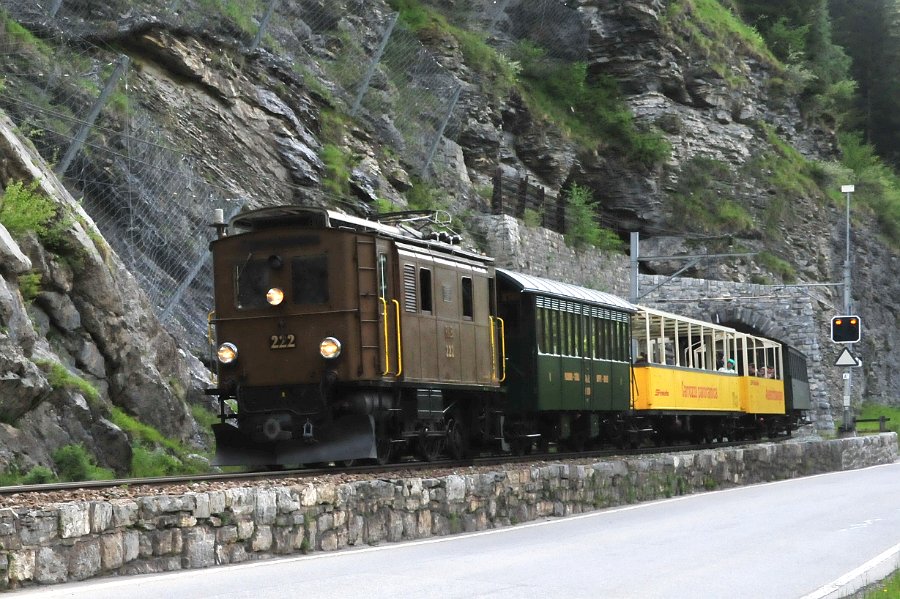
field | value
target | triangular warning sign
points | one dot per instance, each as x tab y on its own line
846	359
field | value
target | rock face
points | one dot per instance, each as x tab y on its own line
89	320
257	123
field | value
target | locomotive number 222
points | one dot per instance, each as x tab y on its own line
281	342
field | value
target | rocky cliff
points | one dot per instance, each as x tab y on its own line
747	173
86	341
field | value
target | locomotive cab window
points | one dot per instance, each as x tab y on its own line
251	282
425	290
309	278
468	310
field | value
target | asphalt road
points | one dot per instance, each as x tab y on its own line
815	537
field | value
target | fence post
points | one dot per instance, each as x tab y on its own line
522	197
364	85
88	123
561	213
497	193
542	207
54	8
263	24
440	131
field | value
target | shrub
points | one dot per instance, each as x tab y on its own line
74	463
30	285
581	225
23	209
39	475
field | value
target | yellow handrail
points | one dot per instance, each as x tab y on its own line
387	359
502	347
493	352
399	343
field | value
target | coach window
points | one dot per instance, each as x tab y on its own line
425	290
309	277
539	330
553	323
467	305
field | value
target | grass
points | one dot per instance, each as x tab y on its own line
867	411
778	266
154	454
714	32
60	378
701	198
590	110
889	587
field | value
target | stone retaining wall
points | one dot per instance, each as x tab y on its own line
79	540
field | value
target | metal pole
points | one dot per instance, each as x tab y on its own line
54	8
263	24
848	380
198	266
82	134
635	245
440	132
375	60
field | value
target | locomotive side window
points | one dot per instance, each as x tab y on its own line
309	277
425	290
468	308
251	282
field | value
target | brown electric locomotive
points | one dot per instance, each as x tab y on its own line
339	338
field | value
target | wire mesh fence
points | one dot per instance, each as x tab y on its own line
144	193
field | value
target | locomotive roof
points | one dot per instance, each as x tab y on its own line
302	216
531	284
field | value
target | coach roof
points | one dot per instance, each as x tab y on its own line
530	284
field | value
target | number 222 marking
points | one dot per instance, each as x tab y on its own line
281	342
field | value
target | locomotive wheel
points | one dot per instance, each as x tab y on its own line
384	449
457	440
430	448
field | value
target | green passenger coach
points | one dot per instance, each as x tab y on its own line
569	353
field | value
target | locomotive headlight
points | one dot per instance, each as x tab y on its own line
227	353
275	296
330	348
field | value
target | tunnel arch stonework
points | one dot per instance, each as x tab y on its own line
790	315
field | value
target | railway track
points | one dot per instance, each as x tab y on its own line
411	468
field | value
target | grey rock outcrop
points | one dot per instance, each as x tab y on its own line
86	342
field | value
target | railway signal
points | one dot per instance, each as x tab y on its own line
845	329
